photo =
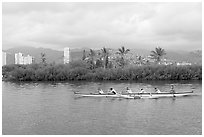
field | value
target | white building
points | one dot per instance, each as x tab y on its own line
3	58
28	60
66	55
20	59
183	64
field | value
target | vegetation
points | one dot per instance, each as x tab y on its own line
158	54
79	70
98	66
122	52
92	59
84	55
105	55
43	58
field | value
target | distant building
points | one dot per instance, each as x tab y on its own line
27	60
66	55
20	59
3	58
33	60
183	64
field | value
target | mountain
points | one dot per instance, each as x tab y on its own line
51	55
194	57
76	54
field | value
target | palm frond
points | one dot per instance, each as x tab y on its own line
126	51
123	49
120	51
92	53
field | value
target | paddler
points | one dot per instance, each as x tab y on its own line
172	89
100	91
157	90
128	90
142	90
112	91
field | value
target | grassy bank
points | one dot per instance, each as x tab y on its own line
81	71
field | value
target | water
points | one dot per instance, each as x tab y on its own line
52	108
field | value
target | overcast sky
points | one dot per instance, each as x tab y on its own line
175	26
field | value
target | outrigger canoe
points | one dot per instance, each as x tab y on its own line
162	94
106	95
137	95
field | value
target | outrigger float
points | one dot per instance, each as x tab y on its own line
137	95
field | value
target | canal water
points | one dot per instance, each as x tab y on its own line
52	108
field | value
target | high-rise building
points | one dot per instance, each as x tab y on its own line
3	58
20	59
66	55
27	60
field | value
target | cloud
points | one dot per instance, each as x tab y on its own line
138	25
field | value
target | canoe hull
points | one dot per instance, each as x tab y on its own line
106	95
138	95
159	95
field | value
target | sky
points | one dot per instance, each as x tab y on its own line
172	26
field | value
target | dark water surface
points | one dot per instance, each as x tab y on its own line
52	108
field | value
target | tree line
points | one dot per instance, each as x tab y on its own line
98	66
105	59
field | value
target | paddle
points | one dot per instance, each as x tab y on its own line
76	92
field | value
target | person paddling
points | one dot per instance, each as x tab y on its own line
172	89
112	91
100	91
157	90
141	90
128	90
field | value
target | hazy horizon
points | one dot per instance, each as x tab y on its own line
87	49
135	25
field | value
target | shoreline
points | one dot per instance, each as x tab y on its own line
107	81
80	72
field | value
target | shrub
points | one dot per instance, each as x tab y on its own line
79	70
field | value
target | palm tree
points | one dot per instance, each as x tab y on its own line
122	52
105	55
92	58
140	60
43	58
92	53
99	61
158	54
84	55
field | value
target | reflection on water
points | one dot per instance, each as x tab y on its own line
52	108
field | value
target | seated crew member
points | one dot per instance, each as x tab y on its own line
157	90
112	91
142	90
100	91
172	89
128	90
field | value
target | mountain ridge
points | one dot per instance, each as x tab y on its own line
76	54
